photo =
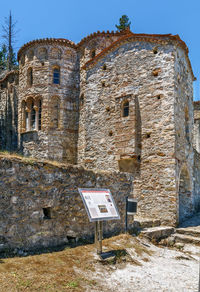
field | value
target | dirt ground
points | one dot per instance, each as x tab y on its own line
136	265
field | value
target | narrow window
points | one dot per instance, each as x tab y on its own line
40	115
56	76
27	119
47	213
125	109
33	115
93	54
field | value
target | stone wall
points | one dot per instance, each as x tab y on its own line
8	111
196	131
196	179
184	123
31	191
144	142
57	136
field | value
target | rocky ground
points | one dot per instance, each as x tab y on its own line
136	265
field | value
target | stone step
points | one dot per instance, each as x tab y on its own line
145	222
189	231
186	238
157	233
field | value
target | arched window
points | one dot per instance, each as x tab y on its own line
30	77
56	75
31	114
125	109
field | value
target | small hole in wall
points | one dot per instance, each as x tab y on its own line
42	63
148	135
155	51
158	97
103	84
46	213
82	99
139	158
110	133
104	67
156	71
108	109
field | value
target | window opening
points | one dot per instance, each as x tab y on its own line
33	115
56	76
126	109
93	54
27	127
40	116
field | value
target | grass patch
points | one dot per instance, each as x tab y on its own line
71	269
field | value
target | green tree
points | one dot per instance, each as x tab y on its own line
9	35
124	23
3	58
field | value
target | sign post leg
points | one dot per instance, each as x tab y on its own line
126	216
98	236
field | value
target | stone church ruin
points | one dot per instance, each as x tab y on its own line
118	102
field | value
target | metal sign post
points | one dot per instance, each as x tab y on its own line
100	206
98	236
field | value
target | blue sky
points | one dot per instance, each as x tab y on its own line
76	19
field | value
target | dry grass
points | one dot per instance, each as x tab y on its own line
68	270
28	159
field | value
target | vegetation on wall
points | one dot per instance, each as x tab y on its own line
124	23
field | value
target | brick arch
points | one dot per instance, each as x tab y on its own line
42	53
55	53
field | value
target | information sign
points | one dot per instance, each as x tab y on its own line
99	204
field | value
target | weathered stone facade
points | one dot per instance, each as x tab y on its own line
56	135
8	111
40	204
153	141
116	102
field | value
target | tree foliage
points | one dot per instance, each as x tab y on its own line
124	23
3	58
7	55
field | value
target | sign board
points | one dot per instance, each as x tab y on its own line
99	204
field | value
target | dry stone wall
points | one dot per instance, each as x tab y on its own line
40	205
